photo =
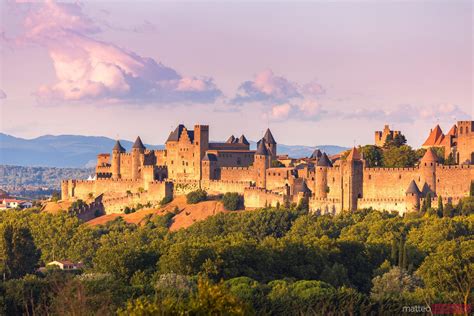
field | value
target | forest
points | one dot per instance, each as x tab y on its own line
272	261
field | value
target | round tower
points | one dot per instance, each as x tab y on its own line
428	170
137	151
412	197
261	163
321	179
116	151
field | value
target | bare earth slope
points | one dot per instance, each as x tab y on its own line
188	213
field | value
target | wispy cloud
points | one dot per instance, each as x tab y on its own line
266	87
308	109
407	113
90	69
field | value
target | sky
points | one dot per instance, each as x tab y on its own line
314	72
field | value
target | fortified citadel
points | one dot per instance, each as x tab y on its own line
189	162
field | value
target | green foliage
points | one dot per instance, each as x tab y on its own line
373	155
232	201
397	141
18	253
272	261
166	200
56	196
471	189
399	157
277	164
196	196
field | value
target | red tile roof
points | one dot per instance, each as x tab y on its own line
435	138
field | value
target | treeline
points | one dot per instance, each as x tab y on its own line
39	176
269	261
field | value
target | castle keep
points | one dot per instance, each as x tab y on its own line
190	161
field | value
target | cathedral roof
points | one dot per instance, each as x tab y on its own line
435	138
324	161
176	134
413	188
353	155
316	154
429	156
209	157
262	148
269	137
243	140
138	143
118	147
230	140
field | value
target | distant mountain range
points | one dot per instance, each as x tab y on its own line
75	151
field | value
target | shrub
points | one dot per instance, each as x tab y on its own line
232	201
196	196
166	200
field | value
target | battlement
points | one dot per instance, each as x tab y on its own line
262	190
326	200
391	170
455	167
391	200
237	168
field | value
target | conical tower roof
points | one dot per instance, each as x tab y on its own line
324	161
262	148
429	156
413	188
243	140
230	140
316	154
209	157
138	143
118	147
353	155
269	137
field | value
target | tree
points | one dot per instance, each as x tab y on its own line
471	189
440	206
196	196
277	164
18	253
399	157
450	160
397	141
450	270
373	155
448	210
232	201
394	284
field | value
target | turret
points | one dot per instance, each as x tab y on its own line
116	151
321	177
428	169
138	149
412	197
352	180
262	160
270	143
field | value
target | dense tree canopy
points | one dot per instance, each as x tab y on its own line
269	261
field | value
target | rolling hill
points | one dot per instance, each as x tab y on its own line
76	151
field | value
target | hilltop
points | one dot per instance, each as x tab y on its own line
76	151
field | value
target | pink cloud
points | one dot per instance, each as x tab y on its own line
308	109
3	95
87	68
269	88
